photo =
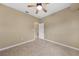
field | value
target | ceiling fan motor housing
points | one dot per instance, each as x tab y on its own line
39	4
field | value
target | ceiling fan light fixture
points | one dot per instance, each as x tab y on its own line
39	7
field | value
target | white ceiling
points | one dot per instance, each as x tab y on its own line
51	8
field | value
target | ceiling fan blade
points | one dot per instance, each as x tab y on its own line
31	6
44	10
36	11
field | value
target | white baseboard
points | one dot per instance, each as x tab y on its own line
18	44
61	44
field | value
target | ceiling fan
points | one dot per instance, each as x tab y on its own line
39	6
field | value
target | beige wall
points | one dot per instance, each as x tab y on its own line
15	27
63	26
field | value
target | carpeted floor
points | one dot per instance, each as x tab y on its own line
39	48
